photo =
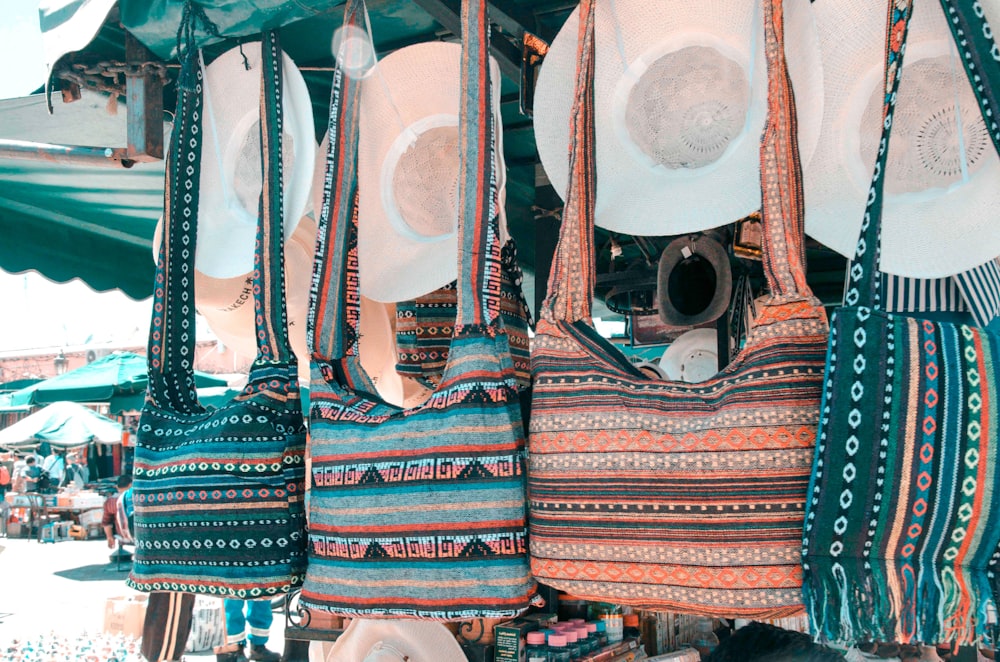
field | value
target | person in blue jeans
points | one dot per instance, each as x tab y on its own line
258	617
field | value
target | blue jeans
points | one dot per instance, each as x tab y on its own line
258	617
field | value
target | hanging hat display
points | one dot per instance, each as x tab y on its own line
680	99
941	189
231	161
394	640
693	357
408	171
694	281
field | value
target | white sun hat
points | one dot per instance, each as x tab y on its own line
408	171
395	640
231	159
680	99
693	357
940	210
227	303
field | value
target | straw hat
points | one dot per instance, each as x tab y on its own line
378	335
231	159
393	640
227	303
693	357
935	221
408	170
680	99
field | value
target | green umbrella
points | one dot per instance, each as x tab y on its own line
115	375
62	424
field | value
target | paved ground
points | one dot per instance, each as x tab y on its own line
63	588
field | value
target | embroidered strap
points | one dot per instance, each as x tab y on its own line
782	202
864	287
172	338
335	297
571	281
980	56
573	272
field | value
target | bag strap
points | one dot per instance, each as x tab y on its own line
980	56
335	296
864	287
572	278
172	339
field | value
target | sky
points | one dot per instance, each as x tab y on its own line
37	312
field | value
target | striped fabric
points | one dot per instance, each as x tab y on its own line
425	325
219	493
902	534
981	290
920	295
416	513
976	291
669	495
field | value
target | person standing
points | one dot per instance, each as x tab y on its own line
259	617
55	466
28	475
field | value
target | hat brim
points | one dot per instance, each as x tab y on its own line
227	231
679	250
413	89
633	195
925	234
693	357
419	641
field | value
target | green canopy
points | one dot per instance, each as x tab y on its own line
62	424
115	375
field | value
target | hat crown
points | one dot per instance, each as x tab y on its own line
925	149
686	107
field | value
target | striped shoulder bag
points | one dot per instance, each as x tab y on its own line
669	495
218	493
902	536
419	512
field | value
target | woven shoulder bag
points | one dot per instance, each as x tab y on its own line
219	492
420	512
902	536
669	495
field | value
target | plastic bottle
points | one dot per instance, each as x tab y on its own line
572	643
591	629
558	652
586	646
602	633
705	640
536	650
631	626
612	617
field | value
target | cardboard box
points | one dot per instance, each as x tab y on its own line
510	635
124	615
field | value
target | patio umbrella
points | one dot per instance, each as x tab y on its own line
118	374
62	424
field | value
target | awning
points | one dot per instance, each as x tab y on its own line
69	221
62	424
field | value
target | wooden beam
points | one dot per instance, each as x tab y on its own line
144	100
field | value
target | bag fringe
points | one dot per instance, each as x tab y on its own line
849	603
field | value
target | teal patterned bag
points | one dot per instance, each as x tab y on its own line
416	512
902	534
219	492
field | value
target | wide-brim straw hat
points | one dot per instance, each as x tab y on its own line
408	171
680	99
231	175
395	640
937	220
